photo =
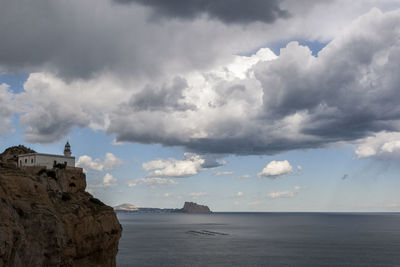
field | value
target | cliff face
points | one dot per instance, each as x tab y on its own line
47	219
191	207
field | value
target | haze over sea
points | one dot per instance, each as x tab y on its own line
260	239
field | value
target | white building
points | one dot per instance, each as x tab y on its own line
47	160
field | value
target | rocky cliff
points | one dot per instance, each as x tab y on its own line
47	219
191	207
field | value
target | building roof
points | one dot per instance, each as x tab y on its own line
43	154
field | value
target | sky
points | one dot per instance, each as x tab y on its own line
255	105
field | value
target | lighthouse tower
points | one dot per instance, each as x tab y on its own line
67	150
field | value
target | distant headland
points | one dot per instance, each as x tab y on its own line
188	207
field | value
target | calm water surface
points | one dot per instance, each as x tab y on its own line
260	239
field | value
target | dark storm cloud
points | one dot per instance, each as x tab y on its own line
50	126
6	108
232	11
55	36
251	145
296	101
348	92
129	130
212	161
85	39
168	96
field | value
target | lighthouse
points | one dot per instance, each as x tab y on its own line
67	150
48	161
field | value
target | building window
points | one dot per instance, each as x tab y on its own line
20	162
26	160
31	160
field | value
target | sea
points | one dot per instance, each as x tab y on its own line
259	239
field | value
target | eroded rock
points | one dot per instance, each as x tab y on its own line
48	220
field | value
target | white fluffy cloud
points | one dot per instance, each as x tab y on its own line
109	163
197	92
224	173
87	163
383	145
189	166
286	194
239	194
276	104
51	107
116	143
245	176
281	194
151	182
109	180
275	169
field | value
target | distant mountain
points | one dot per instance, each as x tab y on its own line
126	207
191	207
188	207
